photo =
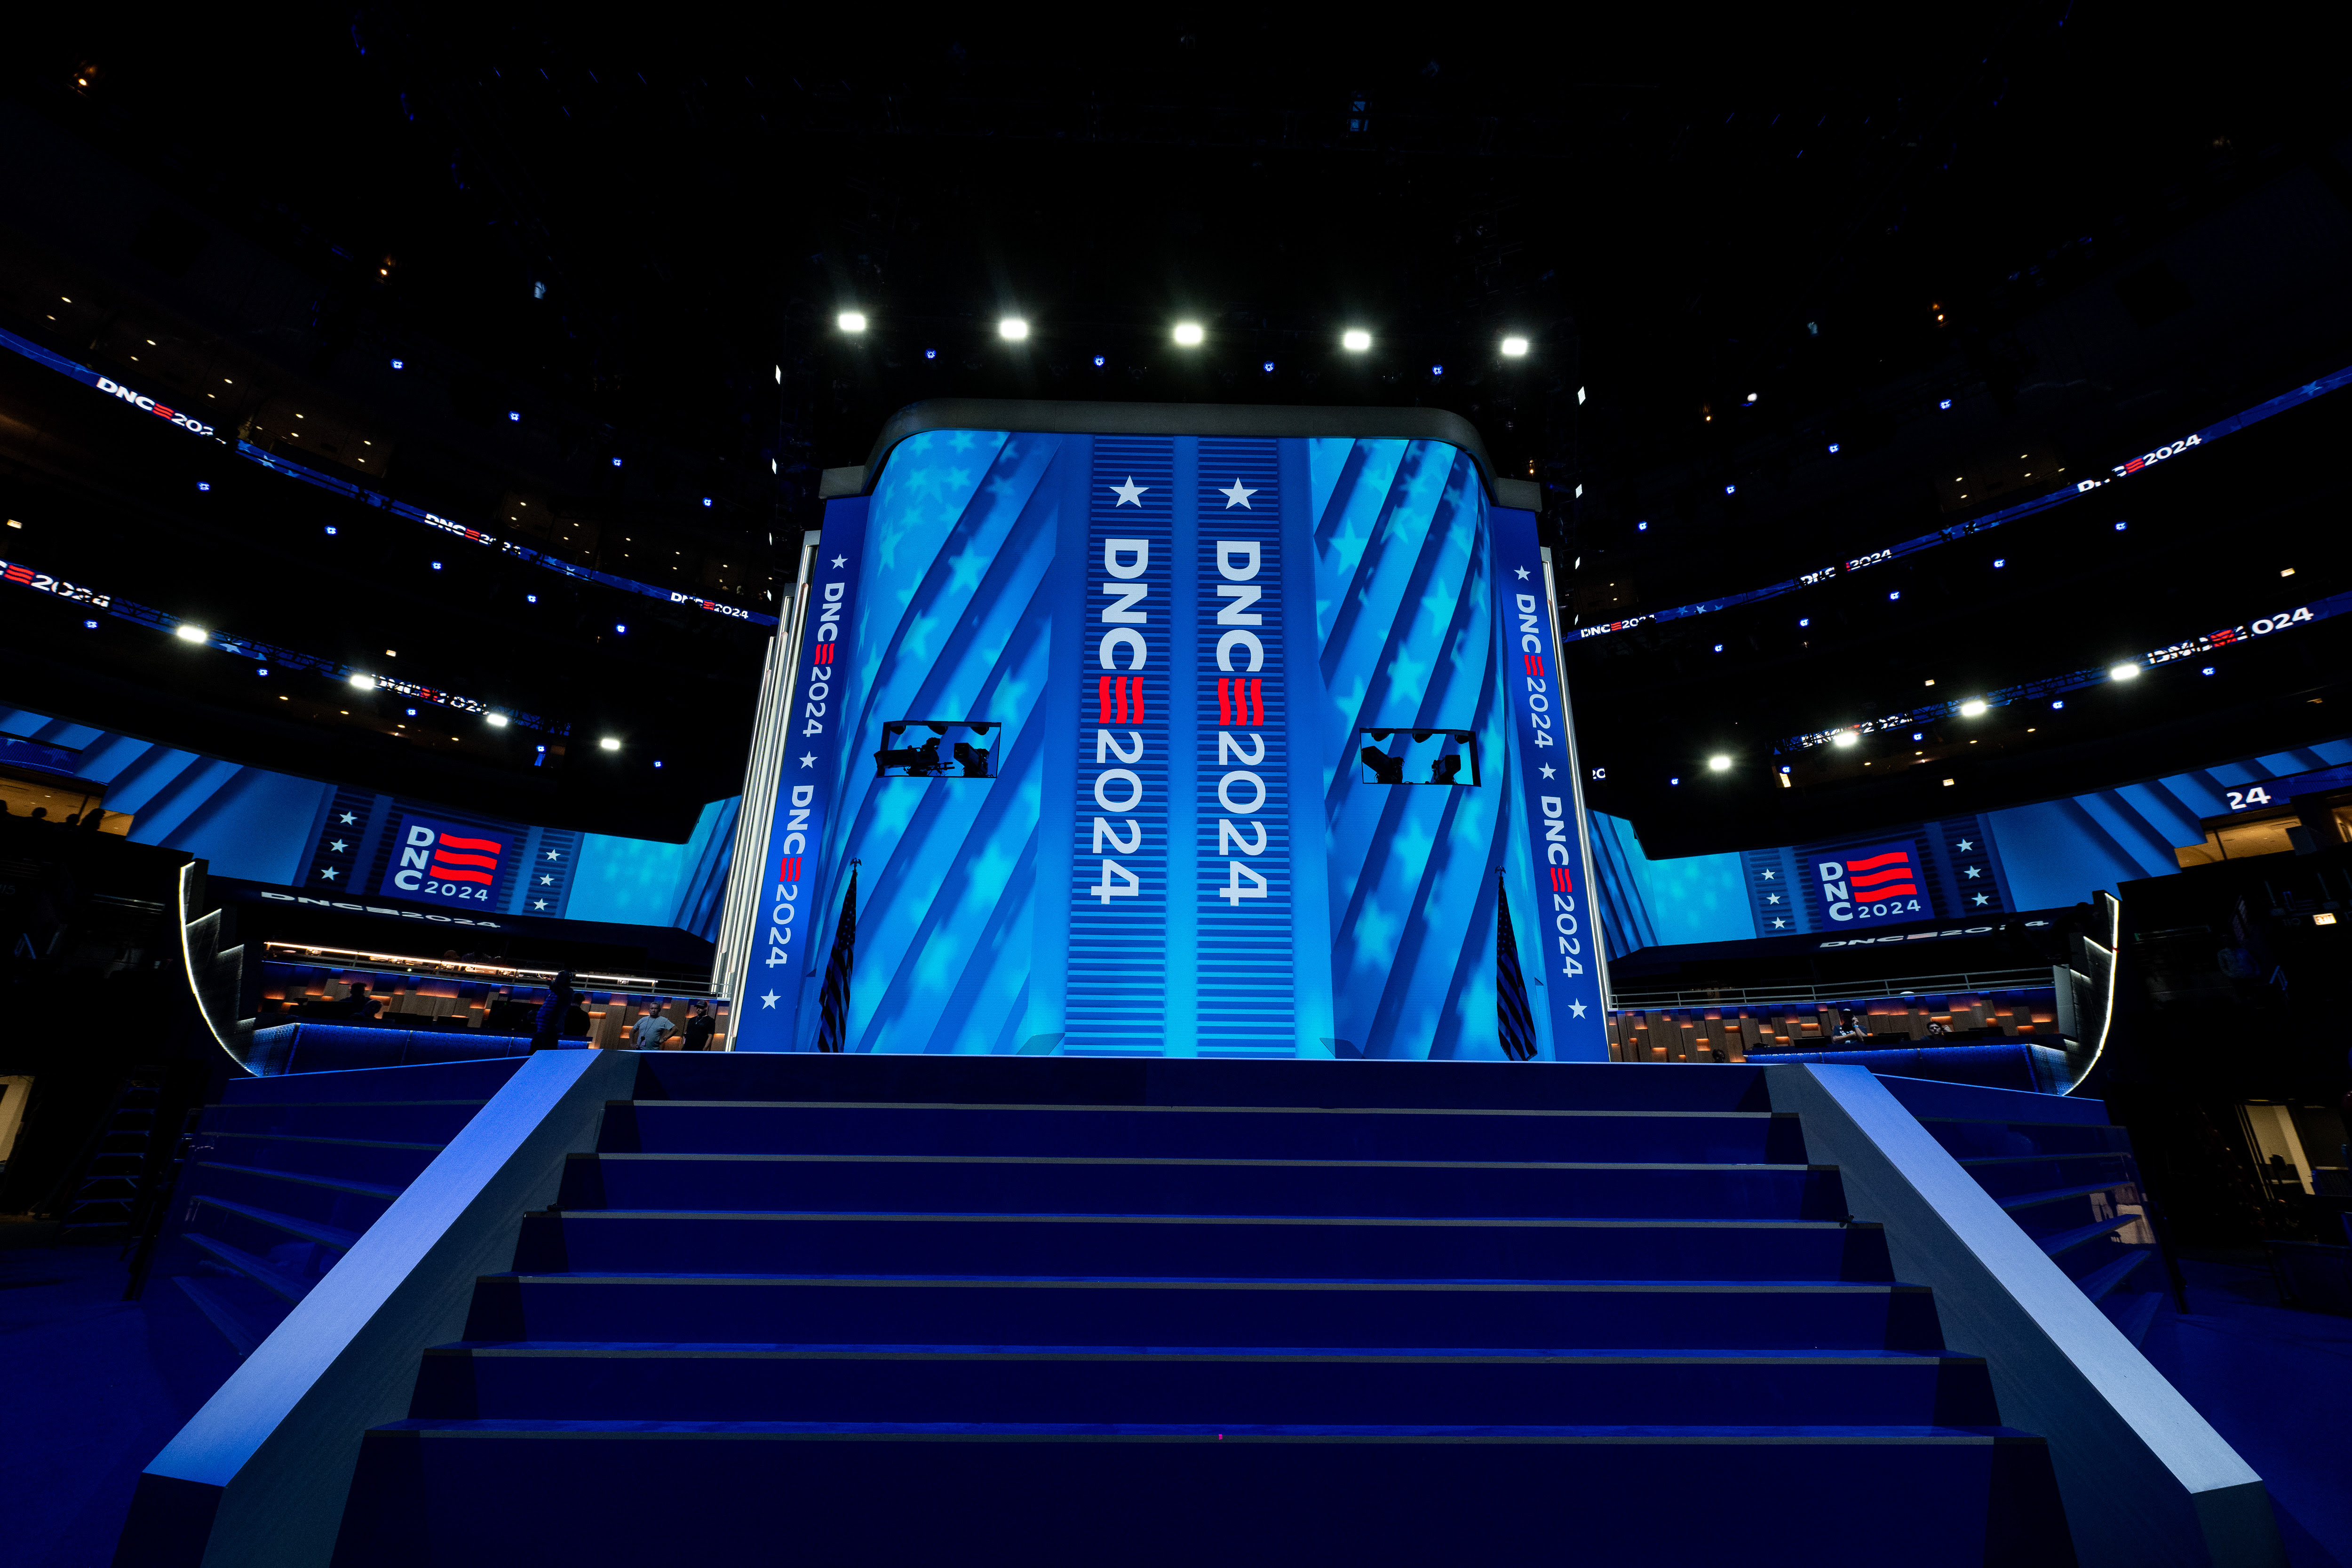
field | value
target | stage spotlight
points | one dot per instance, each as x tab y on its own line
2207	671
1098	361
1437	370
92	626
1731	489
622	627
1517	348
2121	526
399	365
363	682
1188	335
2125	672
1267	367
495	720
1718	764
1833	446
1846	738
1998	562
1355	339
1945	405
617	462
1918	735
2060	703
1973	708
1012	328
191	634
1751	398
851	321
514	415
610	743
330	530
930	353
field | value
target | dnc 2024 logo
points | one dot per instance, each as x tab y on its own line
1880	884
444	863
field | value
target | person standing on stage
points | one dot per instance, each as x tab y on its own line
699	1025
547	1028
652	1030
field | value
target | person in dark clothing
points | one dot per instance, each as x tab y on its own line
358	1004
699	1026
552	1022
91	820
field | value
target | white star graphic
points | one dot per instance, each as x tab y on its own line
768	1000
841	561
547	882
1547	770
1523	574
1777	924
1769	875
538	903
808	759
1576	1010
1772	898
1982	899
337	846
328	873
1235	496
555	855
1964	845
1130	493
1974	872
348	820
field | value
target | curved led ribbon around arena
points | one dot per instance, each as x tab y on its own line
365	496
1959	530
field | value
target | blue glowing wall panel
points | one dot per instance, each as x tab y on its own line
1175	642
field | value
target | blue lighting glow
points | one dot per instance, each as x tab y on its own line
1896	594
1731	489
400	364
92	626
2060	703
1641	527
1437	370
1267	367
1919	735
1784	768
930	353
411	712
436	566
620	627
656	761
2207	671
1098	364
1805	620
263	670
1998	562
2121	526
330	530
514	415
1946	403
1718	647
1673	781
203	484
617	462
706	500
1833	446
530	598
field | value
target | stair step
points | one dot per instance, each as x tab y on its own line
2096	1285
1340	1385
743	1242
1146	1185
334	1183
1189	1131
2067	1240
291	1288
1149	1496
242	1329
309	1230
1129	1311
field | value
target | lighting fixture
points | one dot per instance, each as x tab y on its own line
1267	367
1833	446
191	634
1437	370
2287	572
621	627
92	626
1188	335
1355	339
1751	398
1998	562
530	598
2324	918
1973	708
400	364
930	353
1718	764
514	416
2121	526
610	743
1517	348
2060	703
207	484
495	720
363	682
2207	671
1946	403
2125	672
617	462
1731	489
1846	738
706	500
849	321
1896	594
1013	330
1098	361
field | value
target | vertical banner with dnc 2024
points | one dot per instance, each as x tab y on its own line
795	915
1562	947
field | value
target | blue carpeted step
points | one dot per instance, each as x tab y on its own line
724	1127
1664	1190
430	1122
374	1160
1009	1310
734	1242
1060	1382
1969	1140
617	1493
2011	1177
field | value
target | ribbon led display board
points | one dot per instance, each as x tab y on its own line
1218	745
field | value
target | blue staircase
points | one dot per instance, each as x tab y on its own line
1044	1311
2067	1178
286	1173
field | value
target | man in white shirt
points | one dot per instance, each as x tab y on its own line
651	1030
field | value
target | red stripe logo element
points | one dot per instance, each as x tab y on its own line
1224	700
788	869
1257	702
451	841
1559	880
823	654
1535	665
1898	858
451	875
